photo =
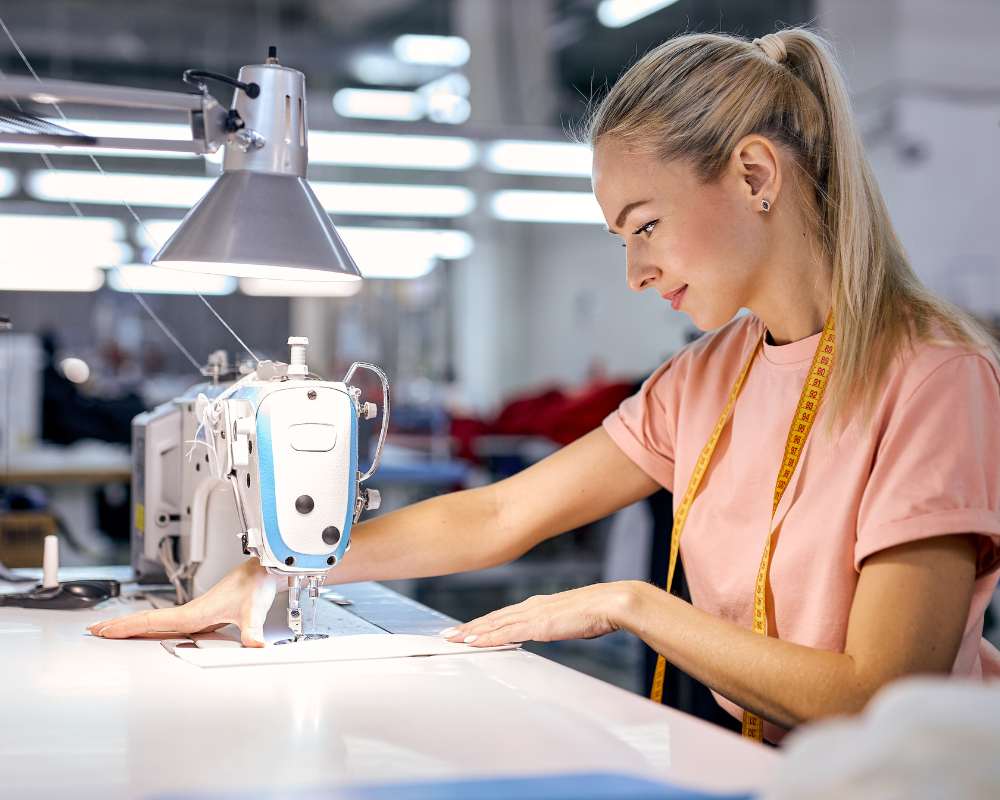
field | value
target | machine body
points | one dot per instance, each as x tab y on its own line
270	469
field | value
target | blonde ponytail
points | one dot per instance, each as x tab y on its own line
694	97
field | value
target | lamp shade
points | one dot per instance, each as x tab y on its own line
260	225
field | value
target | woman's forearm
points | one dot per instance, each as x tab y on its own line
450	533
908	615
782	682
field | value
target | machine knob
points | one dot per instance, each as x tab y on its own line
331	535
369	411
245	426
373	499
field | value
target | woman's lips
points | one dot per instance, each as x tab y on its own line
676	297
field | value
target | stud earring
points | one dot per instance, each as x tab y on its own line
765	205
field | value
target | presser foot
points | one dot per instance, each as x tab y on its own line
305	637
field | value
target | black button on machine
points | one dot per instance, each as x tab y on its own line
331	535
304	504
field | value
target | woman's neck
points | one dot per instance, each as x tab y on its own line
794	298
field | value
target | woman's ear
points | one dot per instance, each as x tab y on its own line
755	160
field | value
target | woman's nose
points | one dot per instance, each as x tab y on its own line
639	273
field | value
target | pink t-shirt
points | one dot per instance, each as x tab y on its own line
929	465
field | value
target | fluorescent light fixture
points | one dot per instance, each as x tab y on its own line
392	150
147	279
111	188
60	241
8	182
49	276
398	200
619	13
41	230
278	288
538	158
445	51
378	104
176	191
446	99
546	206
403	267
383	69
404	253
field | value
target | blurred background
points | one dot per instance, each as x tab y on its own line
496	301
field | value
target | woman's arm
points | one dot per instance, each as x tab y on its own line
494	524
908	616
462	531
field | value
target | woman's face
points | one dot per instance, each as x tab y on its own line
678	231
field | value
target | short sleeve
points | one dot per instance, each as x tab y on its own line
937	466
644	426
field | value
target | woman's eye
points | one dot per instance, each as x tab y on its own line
647	228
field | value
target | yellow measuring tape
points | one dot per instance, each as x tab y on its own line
798	432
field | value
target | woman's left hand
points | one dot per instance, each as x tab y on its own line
577	614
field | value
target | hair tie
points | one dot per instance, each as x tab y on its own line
773	47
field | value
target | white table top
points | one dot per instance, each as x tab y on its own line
86	717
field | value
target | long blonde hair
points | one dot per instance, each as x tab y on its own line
694	97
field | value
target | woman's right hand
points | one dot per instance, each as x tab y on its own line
241	598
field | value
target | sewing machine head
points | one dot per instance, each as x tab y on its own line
282	447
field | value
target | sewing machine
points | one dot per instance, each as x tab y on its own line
256	461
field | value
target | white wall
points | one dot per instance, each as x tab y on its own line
926	76
579	310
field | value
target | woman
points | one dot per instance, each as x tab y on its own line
735	177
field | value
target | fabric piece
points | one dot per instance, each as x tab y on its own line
216	652
929	465
921	738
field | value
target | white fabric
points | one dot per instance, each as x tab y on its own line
919	739
220	652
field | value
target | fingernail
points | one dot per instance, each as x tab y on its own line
470	639
448	632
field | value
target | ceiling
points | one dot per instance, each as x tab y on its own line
150	44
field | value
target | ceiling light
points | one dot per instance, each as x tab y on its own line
383	69
279	288
49	277
391	150
378	104
446	99
386	199
42	229
112	188
619	13
147	279
60	245
546	206
8	182
539	158
445	51
177	191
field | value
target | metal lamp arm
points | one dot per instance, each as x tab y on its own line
206	116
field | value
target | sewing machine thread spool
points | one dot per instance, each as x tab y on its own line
50	562
297	361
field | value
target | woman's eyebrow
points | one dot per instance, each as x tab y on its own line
623	214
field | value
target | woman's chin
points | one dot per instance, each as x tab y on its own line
708	319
